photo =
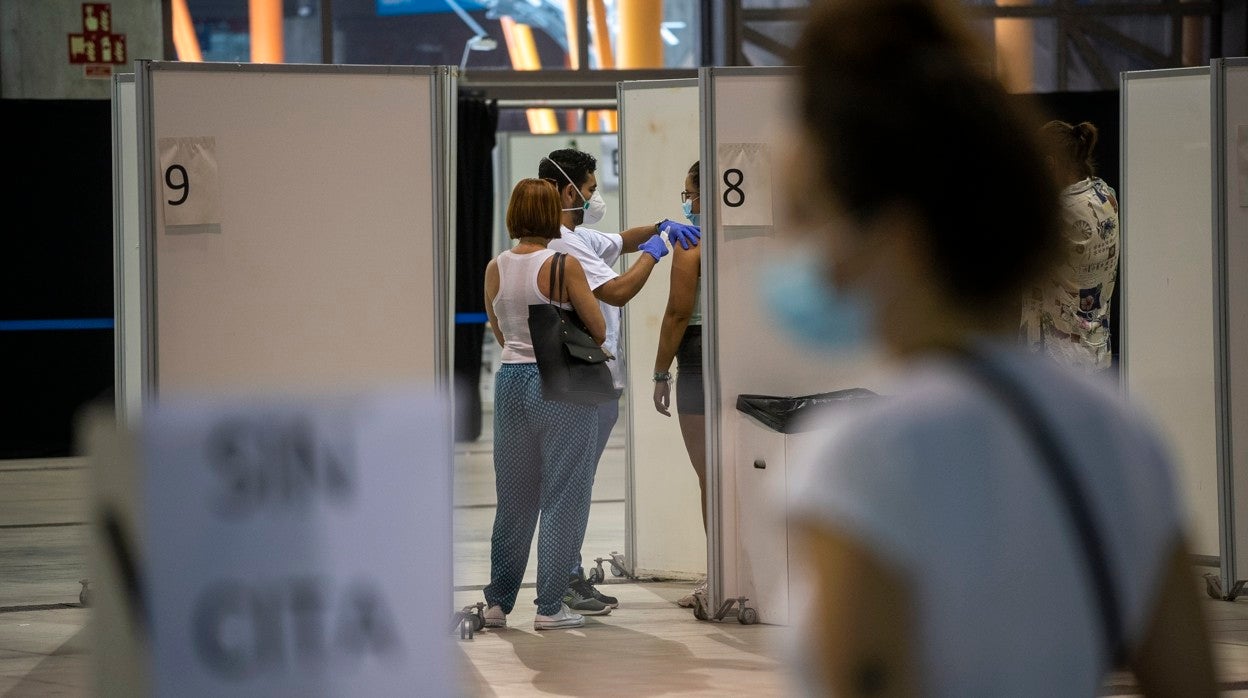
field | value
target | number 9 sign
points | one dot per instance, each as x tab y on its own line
189	177
745	184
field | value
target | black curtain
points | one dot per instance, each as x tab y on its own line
56	263
474	215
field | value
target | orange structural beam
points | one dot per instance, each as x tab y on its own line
606	59
1016	52
640	42
572	24
185	43
522	50
266	31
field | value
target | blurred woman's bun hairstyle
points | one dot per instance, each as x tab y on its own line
901	102
1071	145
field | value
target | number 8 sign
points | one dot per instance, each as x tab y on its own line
188	175
744	184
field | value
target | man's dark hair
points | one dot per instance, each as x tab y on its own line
576	164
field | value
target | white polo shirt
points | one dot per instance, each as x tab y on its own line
597	252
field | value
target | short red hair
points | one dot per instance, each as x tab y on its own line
533	210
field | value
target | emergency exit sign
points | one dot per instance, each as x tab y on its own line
96	47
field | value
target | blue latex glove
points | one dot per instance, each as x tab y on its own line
678	233
655	247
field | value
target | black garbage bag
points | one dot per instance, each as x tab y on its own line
788	415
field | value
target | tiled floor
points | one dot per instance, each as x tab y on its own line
44	649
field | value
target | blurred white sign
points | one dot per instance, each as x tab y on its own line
609	167
189	191
744	184
298	548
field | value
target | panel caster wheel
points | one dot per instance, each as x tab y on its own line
466	629
747	616
699	608
84	596
595	576
616	570
478	622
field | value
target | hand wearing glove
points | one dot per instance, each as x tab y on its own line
655	247
686	235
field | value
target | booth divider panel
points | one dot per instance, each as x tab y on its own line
659	140
752	354
322	272
1235	183
128	259
1167	270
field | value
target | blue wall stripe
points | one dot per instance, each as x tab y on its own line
471	318
89	323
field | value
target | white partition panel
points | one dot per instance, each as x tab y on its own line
659	140
1168	340
743	112
1230	83
317	256
519	155
128	342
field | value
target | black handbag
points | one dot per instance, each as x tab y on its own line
572	365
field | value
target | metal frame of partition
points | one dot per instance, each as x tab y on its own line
119	304
710	327
444	98
1231	584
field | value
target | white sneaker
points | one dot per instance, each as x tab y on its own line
565	618
687	601
494	617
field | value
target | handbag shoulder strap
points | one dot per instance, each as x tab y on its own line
555	278
1061	472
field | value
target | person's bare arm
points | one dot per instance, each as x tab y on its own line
1174	658
491	292
683	293
622	288
635	236
576	290
861	625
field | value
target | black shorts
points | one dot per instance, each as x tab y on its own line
689	396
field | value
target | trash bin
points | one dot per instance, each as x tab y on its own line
772	443
790	415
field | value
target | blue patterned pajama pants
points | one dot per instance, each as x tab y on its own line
608	415
544	461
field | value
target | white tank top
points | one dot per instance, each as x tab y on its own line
517	290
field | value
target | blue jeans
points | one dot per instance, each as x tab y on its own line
544	456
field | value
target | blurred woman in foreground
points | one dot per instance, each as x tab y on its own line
999	527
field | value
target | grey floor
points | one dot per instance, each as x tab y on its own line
44	649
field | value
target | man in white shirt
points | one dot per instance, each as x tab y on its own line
573	173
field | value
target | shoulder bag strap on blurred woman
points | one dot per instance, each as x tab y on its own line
1058	466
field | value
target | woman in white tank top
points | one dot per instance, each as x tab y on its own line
544	451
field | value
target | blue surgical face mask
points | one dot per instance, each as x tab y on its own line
798	292
689	214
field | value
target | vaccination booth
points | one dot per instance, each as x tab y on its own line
282	226
1184	312
283	298
750	461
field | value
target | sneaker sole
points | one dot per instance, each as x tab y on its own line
559	625
496	623
605	611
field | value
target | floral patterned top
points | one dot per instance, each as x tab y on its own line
1069	318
